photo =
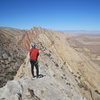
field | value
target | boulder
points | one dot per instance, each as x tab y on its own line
5	56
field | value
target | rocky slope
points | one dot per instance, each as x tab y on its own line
11	55
66	73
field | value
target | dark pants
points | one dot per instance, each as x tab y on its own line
34	63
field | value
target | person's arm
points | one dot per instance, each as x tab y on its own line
37	54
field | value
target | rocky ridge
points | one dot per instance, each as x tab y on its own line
66	74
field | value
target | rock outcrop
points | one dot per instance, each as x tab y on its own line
54	83
59	45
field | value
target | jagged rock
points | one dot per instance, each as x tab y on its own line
6	62
5	56
61	46
61	57
9	59
2	61
10	91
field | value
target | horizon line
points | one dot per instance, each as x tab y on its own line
65	30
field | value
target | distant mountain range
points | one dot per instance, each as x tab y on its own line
83	31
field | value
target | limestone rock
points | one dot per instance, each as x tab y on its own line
5	56
67	70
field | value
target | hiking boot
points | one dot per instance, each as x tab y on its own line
33	76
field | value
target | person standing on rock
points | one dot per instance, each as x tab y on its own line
34	53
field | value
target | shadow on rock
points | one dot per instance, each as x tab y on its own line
41	76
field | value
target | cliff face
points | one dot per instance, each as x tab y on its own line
76	60
67	72
11	54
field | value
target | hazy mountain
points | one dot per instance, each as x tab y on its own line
83	32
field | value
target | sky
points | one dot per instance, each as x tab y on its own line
51	14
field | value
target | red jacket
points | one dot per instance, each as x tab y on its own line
34	53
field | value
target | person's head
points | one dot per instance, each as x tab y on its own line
33	44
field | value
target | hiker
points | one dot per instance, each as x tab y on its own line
34	53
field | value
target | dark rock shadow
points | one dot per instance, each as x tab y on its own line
41	76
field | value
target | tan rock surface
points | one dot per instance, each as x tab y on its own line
68	72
